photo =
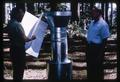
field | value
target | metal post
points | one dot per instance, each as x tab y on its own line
60	67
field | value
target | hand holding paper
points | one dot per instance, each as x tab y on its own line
33	37
35	29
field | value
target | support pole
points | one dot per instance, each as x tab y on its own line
60	67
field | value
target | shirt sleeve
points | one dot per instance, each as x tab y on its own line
105	31
20	32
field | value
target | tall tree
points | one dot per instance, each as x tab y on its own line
2	7
102	7
82	6
74	10
30	8
92	4
111	14
53	5
118	40
106	12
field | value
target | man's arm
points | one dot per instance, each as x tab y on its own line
29	39
23	36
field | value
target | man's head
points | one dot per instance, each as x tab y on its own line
96	13
17	13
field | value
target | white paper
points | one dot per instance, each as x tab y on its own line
35	47
28	22
33	26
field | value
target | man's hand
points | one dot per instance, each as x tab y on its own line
33	37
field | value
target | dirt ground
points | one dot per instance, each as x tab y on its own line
41	74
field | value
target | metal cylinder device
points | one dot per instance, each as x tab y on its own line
60	66
61	20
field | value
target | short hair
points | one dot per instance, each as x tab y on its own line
97	10
15	11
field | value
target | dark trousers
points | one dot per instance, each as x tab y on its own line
18	62
94	58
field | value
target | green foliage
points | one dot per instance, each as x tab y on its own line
79	28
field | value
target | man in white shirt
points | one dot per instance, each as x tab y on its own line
98	32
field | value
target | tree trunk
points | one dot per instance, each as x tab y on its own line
30	8
53	5
106	12
74	8
118	39
2	20
102	7
111	15
91	5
